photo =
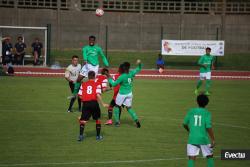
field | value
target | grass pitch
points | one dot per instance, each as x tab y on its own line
37	131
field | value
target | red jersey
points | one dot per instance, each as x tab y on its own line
89	90
102	80
116	88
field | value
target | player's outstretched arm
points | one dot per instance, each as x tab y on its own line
104	59
137	69
99	97
211	135
115	83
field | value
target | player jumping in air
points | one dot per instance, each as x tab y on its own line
125	95
112	103
198	124
91	54
206	64
71	74
90	92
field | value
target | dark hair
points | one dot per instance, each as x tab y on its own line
92	37
208	48
202	100
126	66
91	75
74	56
20	37
104	71
121	68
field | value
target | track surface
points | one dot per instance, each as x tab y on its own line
147	74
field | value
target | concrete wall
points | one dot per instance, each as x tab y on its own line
128	31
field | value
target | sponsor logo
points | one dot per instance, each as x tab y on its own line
235	154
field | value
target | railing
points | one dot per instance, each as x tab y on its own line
135	6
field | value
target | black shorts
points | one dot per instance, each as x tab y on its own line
72	86
90	108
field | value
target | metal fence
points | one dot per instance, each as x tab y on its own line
181	6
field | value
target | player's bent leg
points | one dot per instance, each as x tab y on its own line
71	104
134	117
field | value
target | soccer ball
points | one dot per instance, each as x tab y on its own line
99	12
161	70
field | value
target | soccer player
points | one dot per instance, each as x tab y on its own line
125	96
206	64
112	103
71	74
198	124
91	54
90	92
103	80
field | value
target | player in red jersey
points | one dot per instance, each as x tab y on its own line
112	103
90	92
103	80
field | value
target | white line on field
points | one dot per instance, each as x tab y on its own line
96	162
221	124
146	75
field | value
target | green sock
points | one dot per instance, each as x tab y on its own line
199	83
76	88
210	162
190	163
132	114
116	114
208	84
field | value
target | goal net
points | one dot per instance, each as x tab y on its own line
29	34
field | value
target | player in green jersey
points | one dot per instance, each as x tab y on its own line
125	96
206	64
198	124
91	55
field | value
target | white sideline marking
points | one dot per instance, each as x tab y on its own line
96	162
146	75
222	124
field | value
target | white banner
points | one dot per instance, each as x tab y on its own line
191	47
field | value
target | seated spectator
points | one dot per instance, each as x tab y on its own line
36	51
7	51
160	63
20	47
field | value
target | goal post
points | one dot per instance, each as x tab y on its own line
24	31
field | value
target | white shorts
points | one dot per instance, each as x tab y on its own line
89	67
124	100
194	150
205	75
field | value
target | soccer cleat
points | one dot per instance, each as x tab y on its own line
69	111
196	91
117	124
109	122
138	125
207	93
98	138
80	138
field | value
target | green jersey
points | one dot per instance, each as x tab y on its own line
125	80
92	53
208	60
198	120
